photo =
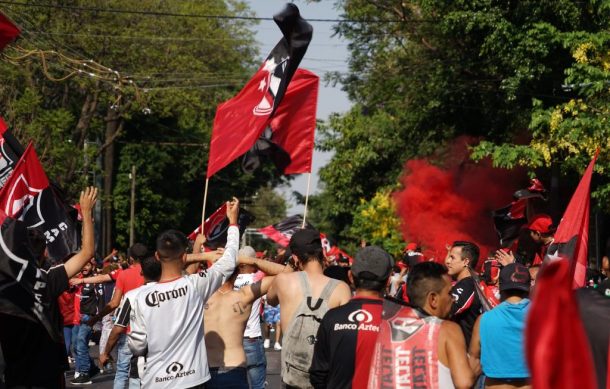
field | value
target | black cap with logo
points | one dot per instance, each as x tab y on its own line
515	276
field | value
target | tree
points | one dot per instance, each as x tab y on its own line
423	73
376	222
147	99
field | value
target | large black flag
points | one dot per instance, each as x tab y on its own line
29	196
22	282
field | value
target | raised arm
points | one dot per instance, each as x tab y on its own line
87	250
267	267
98	279
208	281
253	291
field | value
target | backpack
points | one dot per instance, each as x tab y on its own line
299	339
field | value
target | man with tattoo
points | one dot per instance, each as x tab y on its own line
225	318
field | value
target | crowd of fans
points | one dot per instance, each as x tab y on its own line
183	317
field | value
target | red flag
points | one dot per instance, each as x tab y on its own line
557	348
216	218
27	181
294	123
239	122
3	126
8	31
28	196
571	238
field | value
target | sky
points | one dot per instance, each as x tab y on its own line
325	53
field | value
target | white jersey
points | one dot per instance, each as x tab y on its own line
167	323
253	327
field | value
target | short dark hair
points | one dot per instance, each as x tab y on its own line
138	252
425	277
151	269
309	253
366	284
171	244
469	250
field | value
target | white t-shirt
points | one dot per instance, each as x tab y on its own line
253	327
167	323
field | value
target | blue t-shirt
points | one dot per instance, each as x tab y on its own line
502	341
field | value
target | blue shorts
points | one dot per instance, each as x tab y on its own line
271	315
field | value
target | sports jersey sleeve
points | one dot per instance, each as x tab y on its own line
320	364
137	339
124	312
208	281
464	295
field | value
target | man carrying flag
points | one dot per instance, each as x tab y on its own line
33	350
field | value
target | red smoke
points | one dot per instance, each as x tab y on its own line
440	205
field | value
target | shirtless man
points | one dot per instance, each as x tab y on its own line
225	318
304	295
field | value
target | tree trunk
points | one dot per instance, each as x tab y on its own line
113	126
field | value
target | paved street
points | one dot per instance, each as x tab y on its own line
104	381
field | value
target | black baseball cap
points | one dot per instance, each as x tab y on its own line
304	240
515	276
372	263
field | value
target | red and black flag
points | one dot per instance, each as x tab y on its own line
22	282
28	196
217	225
509	220
8	31
239	122
557	348
10	152
289	139
282	231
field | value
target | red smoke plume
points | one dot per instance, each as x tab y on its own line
440	205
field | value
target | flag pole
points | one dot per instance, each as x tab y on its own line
306	199
205	199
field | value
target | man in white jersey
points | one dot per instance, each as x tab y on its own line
166	317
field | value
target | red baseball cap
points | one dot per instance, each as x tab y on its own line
541	223
411	247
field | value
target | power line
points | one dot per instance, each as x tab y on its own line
199	16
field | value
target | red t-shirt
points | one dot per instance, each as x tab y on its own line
130	279
115	274
66	307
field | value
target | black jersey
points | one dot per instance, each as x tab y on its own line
345	343
466	307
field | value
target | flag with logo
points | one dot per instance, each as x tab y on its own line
509	220
240	121
557	347
8	31
10	152
217	225
28	196
22	283
282	231
288	141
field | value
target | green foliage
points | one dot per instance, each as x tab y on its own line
172	72
377	223
422	73
267	206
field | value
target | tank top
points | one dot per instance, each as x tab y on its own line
406	352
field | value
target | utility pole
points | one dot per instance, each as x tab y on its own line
132	176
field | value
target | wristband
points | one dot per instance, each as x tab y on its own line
234	225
